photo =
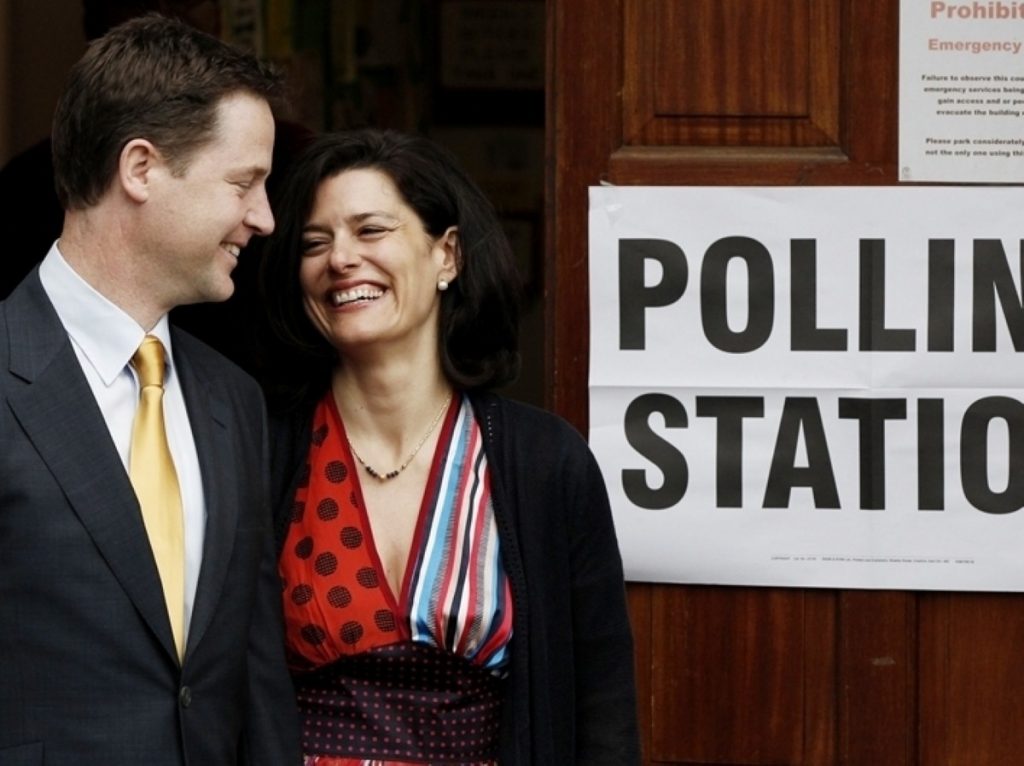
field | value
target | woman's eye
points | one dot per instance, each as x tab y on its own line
313	246
372	231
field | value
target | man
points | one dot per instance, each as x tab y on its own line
139	617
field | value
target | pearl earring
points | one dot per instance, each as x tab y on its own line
442	285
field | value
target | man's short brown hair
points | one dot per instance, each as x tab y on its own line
154	78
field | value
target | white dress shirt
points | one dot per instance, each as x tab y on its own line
105	338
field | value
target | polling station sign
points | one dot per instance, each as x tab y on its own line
811	386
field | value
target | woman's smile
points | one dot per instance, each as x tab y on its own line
363	294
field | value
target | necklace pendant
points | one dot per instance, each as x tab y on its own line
392	474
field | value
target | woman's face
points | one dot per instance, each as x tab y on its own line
369	269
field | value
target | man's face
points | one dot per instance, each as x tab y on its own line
200	220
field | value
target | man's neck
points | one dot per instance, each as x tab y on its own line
101	256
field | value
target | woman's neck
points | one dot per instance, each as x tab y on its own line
387	406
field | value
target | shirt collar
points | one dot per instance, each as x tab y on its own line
104	333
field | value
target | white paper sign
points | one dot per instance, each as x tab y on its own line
962	91
811	386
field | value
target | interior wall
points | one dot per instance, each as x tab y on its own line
43	38
5	82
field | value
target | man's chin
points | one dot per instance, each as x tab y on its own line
221	295
213	293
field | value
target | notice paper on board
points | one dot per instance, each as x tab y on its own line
811	386
961	113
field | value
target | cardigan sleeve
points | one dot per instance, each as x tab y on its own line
606	705
289	442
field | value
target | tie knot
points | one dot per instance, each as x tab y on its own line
149	362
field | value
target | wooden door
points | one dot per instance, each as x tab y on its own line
766	92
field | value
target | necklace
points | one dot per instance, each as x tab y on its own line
386	476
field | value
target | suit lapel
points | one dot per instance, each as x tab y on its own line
59	415
209	417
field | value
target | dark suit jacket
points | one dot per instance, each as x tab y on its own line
88	670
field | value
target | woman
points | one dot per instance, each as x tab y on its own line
452	585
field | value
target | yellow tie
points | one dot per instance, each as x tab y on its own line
152	473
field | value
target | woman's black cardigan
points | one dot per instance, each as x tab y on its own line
570	696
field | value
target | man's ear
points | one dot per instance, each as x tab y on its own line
135	168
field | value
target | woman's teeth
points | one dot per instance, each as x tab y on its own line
341	297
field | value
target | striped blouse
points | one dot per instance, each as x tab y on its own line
455	595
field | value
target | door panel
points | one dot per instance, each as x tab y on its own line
970	677
731	72
726	641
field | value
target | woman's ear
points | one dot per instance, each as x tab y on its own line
451	262
135	167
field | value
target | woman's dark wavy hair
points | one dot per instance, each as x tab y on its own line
480	310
